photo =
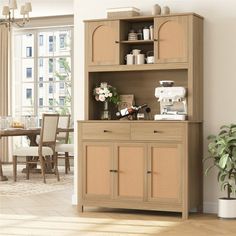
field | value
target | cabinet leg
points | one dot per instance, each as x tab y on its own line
80	208
184	215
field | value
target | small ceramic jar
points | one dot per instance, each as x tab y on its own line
156	9
166	10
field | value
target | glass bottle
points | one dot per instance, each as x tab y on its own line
133	110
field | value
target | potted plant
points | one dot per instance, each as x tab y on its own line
222	150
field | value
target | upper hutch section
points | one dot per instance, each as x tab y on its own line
177	47
172	42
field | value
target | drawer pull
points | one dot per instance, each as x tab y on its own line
106	131
149	172
156	132
115	171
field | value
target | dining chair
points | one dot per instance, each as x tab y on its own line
64	149
44	153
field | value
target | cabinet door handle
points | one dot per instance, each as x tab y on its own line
149	172
156	131
106	131
115	171
155	40
117	41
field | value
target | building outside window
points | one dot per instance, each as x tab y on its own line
28	72
62	41
62	85
29	51
41	62
52	43
28	93
46	88
50	65
40	40
40	82
61	101
40	102
50	88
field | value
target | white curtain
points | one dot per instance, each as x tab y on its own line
4	83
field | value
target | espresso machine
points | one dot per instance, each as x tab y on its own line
173	104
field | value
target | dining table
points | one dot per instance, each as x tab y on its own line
31	133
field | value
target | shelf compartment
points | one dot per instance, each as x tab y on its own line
140	83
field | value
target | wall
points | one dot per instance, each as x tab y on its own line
219	63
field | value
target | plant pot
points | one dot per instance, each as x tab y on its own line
227	208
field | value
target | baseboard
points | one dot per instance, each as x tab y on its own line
210	207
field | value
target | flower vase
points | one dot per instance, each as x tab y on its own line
105	114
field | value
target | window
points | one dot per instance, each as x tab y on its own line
62	62
51	87
40	102
40	40
61	101
50	65
41	62
42	83
28	72
52	42
50	101
28	93
62	41
61	85
29	51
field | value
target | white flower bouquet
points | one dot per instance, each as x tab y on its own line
106	93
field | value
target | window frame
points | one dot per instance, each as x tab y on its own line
35	73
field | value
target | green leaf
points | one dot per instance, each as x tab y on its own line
208	169
224	185
225	127
232	126
223	160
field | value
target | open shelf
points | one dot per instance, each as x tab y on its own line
160	66
141	84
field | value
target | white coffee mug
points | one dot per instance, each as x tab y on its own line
139	59
129	59
136	51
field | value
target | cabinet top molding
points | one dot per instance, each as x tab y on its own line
143	17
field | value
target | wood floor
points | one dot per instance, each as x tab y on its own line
53	214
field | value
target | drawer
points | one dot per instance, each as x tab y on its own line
158	131
106	131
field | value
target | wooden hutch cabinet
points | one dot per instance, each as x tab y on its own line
148	164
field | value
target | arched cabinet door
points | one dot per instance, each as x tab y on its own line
102	43
171	39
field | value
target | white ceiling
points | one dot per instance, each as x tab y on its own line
45	7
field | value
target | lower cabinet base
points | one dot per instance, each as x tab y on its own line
175	208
